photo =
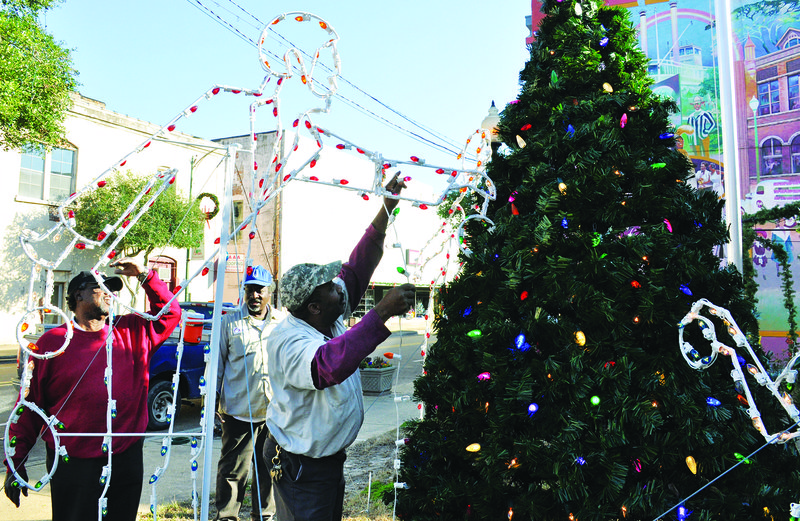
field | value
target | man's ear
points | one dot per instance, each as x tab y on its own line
313	308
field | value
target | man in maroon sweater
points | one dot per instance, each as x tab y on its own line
72	388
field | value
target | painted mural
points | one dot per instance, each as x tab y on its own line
680	39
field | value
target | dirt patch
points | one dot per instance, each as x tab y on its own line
375	456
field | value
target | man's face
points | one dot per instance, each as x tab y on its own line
330	298
95	303
256	297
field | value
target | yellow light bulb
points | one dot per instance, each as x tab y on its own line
692	464
562	187
580	338
474	447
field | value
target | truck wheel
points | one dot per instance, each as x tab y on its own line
159	398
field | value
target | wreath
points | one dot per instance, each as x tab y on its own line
210	215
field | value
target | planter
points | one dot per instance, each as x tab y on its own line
376	382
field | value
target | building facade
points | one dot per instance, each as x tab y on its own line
38	180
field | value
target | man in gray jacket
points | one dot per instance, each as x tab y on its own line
243	392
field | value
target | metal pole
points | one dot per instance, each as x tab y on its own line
755	138
730	140
211	384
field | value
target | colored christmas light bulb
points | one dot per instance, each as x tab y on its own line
623	120
484	376
467	311
475	333
580	461
713	402
580	338
595	400
474	447
533	409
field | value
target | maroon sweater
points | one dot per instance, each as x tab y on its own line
71	386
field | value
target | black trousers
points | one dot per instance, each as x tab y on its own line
234	466
310	489
75	487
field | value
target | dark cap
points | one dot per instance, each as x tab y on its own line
85	279
300	281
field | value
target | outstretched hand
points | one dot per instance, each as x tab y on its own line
128	267
13	487
394	186
399	300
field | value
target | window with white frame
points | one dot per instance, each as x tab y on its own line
796	155
46	175
772	157
793	82
769	98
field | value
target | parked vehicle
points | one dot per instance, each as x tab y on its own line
164	363
770	193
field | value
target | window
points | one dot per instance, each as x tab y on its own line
49	176
793	41
796	155
236	220
769	98
794	91
772	157
56	300
31	172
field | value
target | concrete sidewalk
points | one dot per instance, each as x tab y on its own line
382	414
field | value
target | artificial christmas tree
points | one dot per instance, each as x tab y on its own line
556	389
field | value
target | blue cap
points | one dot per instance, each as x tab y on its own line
259	275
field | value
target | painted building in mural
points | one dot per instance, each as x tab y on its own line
679	38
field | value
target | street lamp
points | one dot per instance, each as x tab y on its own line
754	107
490	123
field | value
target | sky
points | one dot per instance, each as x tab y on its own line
440	64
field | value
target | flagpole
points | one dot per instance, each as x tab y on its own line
730	150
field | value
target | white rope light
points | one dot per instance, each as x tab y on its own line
740	366
268	181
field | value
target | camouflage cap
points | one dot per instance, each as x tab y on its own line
299	282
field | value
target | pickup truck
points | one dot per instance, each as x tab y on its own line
164	363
